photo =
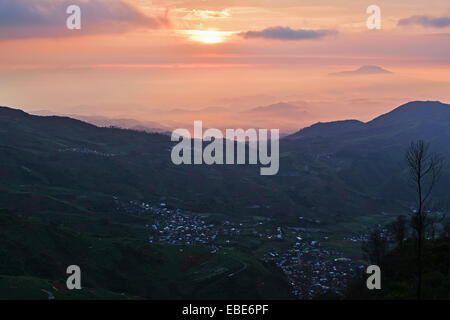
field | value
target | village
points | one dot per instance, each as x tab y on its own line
311	269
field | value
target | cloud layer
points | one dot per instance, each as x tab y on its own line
426	21
286	33
47	18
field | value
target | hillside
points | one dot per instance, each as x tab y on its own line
398	279
330	171
370	156
68	163
34	257
72	186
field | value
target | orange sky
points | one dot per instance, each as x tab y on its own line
176	61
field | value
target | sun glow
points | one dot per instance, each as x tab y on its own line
208	36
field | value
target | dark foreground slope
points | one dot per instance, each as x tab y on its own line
398	274
34	258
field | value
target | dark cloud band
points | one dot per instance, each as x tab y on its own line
426	21
286	33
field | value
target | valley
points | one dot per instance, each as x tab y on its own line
223	227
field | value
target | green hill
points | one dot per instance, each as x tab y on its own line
66	171
35	256
62	175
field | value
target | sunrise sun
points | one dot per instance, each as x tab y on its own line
208	36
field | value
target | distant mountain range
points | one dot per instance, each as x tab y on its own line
417	117
147	126
61	178
332	171
288	116
427	120
282	109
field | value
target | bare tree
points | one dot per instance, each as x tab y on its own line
424	171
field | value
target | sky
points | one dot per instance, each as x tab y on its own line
249	63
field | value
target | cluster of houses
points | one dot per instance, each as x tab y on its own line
313	271
362	237
171	226
88	151
174	227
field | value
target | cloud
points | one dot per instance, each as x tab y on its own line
364	70
206	14
426	21
286	33
47	18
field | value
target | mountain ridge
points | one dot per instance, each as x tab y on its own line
414	108
350	167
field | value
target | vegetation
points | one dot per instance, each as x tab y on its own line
399	274
60	177
34	257
420	265
54	165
